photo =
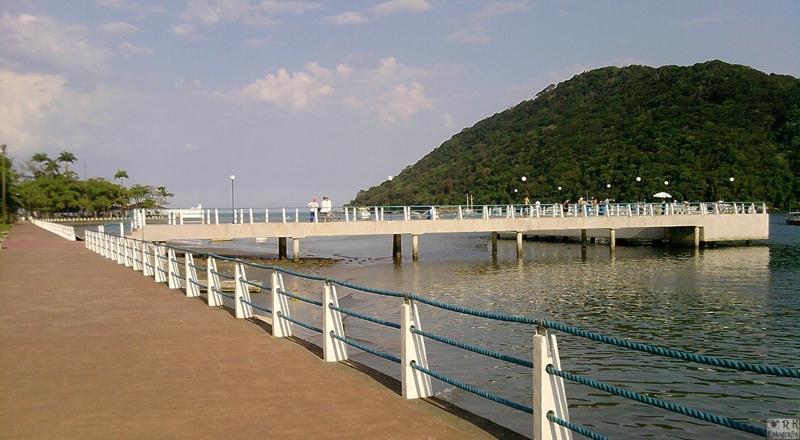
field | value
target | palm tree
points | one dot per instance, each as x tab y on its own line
66	157
120	174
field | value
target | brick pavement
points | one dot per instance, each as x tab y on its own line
91	349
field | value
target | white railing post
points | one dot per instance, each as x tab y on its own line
137	257
284	214
346	214
213	287
129	256
147	263
241	293
192	289
160	273
281	328
377	216
460	213
216	216
433	213
266	215
296	215
172	276
120	250
548	390
334	350
251	216
416	384
486	212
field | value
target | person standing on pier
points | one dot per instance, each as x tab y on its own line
326	208
313	207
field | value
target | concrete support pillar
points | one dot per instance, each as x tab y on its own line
414	247
612	239
295	249
697	237
519	245
667	235
494	244
583	237
397	247
281	248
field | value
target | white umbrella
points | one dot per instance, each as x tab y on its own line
662	195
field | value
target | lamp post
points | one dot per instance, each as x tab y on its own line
638	192
733	194
3	166
233	199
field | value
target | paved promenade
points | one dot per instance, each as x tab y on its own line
90	349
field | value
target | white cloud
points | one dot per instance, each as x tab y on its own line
259	13
346	18
51	44
129	50
41	112
119	28
496	8
402	102
344	70
298	90
25	101
353	103
129	5
184	31
447	121
476	36
394	6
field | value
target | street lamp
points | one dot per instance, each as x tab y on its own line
3	166
638	193
523	178
233	199
733	196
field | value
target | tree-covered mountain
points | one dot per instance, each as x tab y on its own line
694	127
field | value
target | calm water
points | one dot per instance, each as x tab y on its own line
735	302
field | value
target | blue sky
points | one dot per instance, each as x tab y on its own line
302	99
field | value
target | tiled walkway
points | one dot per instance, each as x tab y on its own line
91	349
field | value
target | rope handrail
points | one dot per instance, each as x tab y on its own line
474	348
300	323
198	266
366	348
472	389
197	283
259	285
214	289
520	319
300	298
355	314
675	354
582	430
263	309
658	403
223	275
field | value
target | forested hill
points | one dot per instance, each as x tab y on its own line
695	127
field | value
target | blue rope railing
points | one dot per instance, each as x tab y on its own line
263	309
299	298
197	283
366	348
300	323
259	285
214	289
582	430
198	266
355	314
675	354
474	348
223	275
472	389
658	403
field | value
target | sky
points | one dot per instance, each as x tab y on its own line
302	99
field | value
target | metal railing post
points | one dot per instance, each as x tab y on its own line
333	349
213	287
266	215
281	328
191	287
284	214
416	384
241	292
172	270
548	390
216	216
251	216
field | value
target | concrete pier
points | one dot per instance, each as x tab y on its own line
103	352
414	247
397	247
519	245
612	239
281	248
295	249
494	244
583	237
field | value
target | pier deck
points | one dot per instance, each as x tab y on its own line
91	349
